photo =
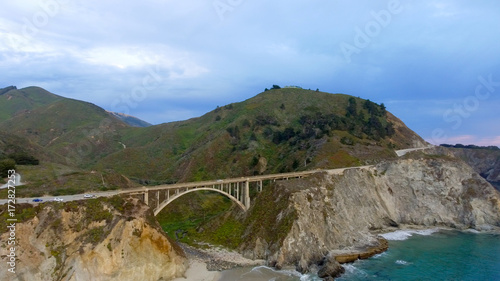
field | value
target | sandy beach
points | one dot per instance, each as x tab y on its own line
206	264
198	271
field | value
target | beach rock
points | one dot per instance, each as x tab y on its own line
331	269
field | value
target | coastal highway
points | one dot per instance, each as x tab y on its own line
64	197
188	184
404	151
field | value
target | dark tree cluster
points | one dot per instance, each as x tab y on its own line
372	125
9	162
234	132
361	121
23	159
286	135
374	109
275	87
5	166
263	120
471	146
369	122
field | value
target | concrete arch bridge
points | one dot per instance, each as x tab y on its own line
236	189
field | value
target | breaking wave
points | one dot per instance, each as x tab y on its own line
401	235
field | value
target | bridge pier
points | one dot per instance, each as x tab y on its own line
246	202
157	199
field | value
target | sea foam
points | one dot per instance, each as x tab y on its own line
263	270
352	270
400	235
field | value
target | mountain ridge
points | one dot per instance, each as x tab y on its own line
33	97
129	119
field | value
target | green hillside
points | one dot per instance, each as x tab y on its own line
276	131
14	102
11	144
64	136
76	131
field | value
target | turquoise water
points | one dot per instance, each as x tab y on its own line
444	255
412	255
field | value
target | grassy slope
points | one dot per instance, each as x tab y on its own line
10	144
15	102
65	135
202	148
74	130
187	213
57	179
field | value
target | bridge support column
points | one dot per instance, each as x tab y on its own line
146	197
247	195
157	199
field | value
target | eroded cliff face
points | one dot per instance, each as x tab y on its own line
486	162
97	239
338	214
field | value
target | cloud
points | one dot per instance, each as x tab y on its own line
180	64
427	58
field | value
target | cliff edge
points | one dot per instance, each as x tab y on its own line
95	239
309	221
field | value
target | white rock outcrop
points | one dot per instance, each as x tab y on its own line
73	241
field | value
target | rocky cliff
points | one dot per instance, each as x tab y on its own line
486	162
329	215
96	239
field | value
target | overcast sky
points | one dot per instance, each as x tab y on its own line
434	64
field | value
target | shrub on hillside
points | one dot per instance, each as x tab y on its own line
5	166
24	159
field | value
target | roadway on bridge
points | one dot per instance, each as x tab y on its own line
338	171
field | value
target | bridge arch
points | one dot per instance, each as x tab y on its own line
174	197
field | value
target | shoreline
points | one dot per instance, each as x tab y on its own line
207	264
402	232
197	271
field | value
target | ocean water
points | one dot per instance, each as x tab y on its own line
413	255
